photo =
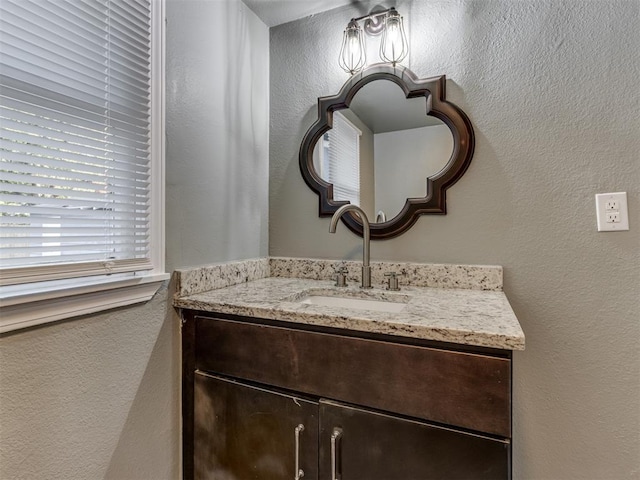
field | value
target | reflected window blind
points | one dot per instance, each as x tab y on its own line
75	120
341	159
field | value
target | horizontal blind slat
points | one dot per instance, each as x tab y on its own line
127	35
37	103
20	231
48	136
65	269
114	246
111	136
108	241
19	136
43	187
14	36
74	163
41	180
62	213
49	25
36	100
19	172
59	133
132	105
90	69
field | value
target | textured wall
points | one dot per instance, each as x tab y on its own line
217	132
552	90
94	397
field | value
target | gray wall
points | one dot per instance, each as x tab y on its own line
404	159
217	133
552	91
98	396
93	397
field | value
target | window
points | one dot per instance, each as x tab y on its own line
340	159
81	138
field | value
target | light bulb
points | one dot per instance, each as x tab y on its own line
393	32
352	53
393	46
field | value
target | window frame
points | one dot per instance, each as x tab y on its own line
37	303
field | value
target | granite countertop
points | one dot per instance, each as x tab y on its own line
456	315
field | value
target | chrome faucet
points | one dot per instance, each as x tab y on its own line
366	239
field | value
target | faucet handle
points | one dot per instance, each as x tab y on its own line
341	277
392	281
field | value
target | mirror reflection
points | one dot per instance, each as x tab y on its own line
381	149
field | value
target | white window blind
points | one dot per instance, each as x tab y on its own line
75	128
341	159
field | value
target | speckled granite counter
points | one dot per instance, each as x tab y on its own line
477	314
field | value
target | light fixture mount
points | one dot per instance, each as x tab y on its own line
374	22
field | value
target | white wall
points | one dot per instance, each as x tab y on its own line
98	396
551	88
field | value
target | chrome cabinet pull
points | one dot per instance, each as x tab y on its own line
299	471
337	432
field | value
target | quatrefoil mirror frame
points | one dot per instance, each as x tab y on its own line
434	201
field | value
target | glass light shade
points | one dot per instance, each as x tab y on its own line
352	54
393	46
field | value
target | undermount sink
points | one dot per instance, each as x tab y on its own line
356	303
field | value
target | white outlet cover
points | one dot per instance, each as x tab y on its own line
604	223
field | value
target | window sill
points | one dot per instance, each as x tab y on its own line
30	306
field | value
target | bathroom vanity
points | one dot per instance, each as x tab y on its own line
276	386
288	375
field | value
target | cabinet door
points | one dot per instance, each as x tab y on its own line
243	433
373	446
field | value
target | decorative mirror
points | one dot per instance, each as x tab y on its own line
390	143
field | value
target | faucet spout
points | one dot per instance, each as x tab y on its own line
366	238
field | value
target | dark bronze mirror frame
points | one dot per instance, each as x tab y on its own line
436	185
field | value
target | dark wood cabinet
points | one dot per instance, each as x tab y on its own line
249	433
263	399
377	446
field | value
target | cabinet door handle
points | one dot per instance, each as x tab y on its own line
335	436
299	471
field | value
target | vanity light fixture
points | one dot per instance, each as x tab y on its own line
393	45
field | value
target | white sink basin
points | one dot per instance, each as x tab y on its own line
357	303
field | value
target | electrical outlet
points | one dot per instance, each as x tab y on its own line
611	211
613	217
612	204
